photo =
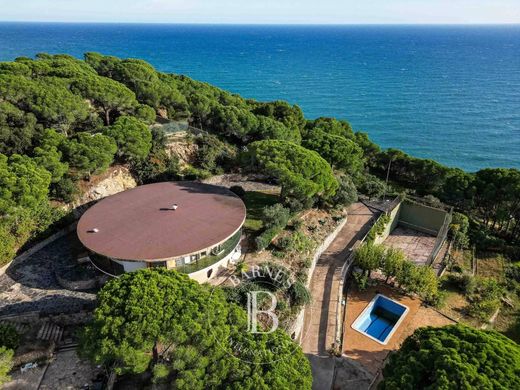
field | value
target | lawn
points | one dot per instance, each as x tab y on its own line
255	202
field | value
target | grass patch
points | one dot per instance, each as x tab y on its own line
255	202
490	265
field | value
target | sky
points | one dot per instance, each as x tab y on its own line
265	11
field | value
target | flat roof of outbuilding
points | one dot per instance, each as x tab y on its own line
141	224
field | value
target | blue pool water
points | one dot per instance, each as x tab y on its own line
380	318
451	93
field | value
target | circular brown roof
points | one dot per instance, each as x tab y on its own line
141	224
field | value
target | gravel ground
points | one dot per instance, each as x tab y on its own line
30	284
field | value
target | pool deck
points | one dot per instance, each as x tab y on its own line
417	246
370	353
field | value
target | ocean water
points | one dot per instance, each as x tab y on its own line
450	93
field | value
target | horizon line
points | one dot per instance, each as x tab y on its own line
266	24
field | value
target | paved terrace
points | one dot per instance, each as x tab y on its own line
417	246
320	319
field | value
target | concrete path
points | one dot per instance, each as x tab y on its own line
320	319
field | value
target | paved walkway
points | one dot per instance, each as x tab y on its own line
320	319
30	285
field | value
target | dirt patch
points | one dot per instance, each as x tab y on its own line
67	371
370	353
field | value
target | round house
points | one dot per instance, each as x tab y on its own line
189	226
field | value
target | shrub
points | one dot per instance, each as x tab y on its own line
513	272
378	228
371	186
275	274
296	242
361	281
275	216
301	275
485	298
299	294
6	364
369	257
9	337
238	190
459	230
265	238
65	189
393	263
346	193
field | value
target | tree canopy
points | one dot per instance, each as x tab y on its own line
107	94
133	138
302	173
454	357
152	318
340	153
91	153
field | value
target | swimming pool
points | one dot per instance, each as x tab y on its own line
380	319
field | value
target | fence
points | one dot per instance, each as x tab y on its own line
441	238
345	270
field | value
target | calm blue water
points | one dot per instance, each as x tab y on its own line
447	93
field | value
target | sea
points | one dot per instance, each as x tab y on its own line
448	93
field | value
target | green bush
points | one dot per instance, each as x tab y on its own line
513	272
266	237
369	257
459	230
378	228
412	278
300	294
275	216
9	337
296	242
361	280
275	275
6	364
66	189
485	298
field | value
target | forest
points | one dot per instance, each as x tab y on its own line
63	120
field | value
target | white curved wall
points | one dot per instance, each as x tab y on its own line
202	275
